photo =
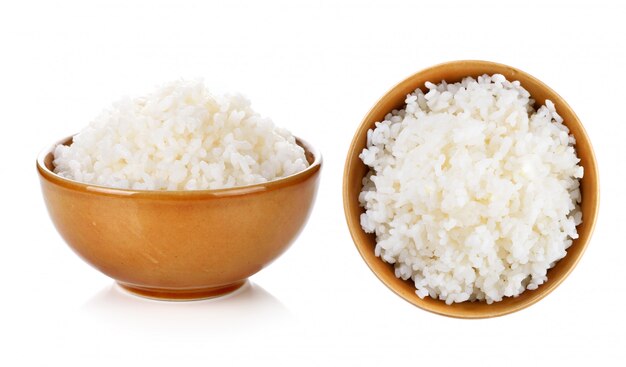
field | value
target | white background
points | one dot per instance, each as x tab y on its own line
315	69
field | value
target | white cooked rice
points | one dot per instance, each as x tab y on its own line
180	137
471	193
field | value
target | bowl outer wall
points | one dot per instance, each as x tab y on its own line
355	170
180	240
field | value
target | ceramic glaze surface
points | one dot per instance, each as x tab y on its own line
180	244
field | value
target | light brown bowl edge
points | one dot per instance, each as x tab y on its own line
45	169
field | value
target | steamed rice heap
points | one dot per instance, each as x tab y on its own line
472	194
180	137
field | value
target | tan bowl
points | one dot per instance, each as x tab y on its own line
355	170
180	245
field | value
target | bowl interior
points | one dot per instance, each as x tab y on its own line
355	170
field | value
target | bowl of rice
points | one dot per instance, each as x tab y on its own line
471	189
180	194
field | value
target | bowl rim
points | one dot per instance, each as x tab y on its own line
47	174
355	226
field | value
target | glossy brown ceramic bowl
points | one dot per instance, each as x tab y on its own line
180	244
355	170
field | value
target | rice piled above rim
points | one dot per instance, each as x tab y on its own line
180	137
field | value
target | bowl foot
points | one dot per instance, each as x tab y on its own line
181	294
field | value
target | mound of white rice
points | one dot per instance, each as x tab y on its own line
472	193
180	137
